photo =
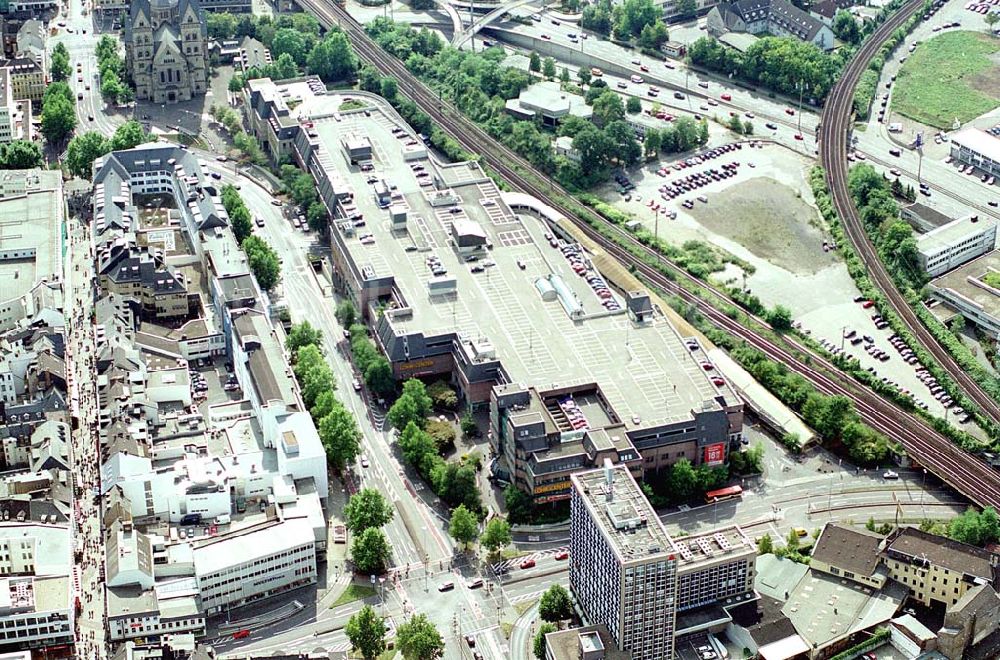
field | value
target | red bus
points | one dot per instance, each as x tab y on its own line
723	494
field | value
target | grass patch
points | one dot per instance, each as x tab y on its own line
523	607
511	553
352	593
951	76
506	627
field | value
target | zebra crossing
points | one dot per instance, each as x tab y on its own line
508	564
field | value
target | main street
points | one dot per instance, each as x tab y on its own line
412	582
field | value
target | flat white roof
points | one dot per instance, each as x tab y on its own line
788	647
249	545
947	236
979	141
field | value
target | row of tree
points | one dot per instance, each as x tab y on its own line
640	21
892	236
112	70
416	639
554	606
84	149
338	430
240	220
20	155
264	262
60	68
301	188
783	64
832	417
370	363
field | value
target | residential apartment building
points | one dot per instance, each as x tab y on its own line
27	78
974	146
141	276
960	241
8	109
936	568
36	593
30	42
628	574
770	17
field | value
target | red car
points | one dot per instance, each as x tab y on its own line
789	111
798	136
528	563
562	555
644	68
726	97
707	366
718	382
868	304
241	634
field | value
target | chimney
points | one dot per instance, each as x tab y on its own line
609	479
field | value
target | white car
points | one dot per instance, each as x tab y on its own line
364	461
889	474
356	384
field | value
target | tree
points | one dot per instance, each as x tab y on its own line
404	411
389	88
845	27
302	334
418	639
443	395
317	217
291	42
366	631
608	107
538	646
654	35
58	117
555	604
652	141
370	551
339	434
463	526
469	427
687	8
634	15
59	66
417	445
241	222
748	127
314	381
455	483
534	62
367	508
221	25
765	545
597	17
324	405
683	481
549	68
583	74
346	314
379	377
129	135
518	503
263	260
332	58
633	105
415	389
496	535
564	75
443	434
991	20
623	145
792	542
20	155
83	150
249	147
780	318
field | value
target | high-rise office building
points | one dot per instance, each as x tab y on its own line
623	571
627	573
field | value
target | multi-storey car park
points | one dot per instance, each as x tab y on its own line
650	590
461	281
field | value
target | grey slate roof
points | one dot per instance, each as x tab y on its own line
781	12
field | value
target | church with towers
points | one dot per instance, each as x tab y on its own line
166	50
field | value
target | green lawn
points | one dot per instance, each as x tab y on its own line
352	593
951	76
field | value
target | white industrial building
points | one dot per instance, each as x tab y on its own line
951	245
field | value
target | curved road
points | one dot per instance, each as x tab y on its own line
834	145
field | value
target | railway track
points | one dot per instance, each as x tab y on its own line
967	475
834	144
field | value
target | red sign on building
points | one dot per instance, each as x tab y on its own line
715	454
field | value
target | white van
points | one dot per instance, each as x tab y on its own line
223	519
636	78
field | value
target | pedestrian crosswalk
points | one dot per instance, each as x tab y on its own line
508	564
